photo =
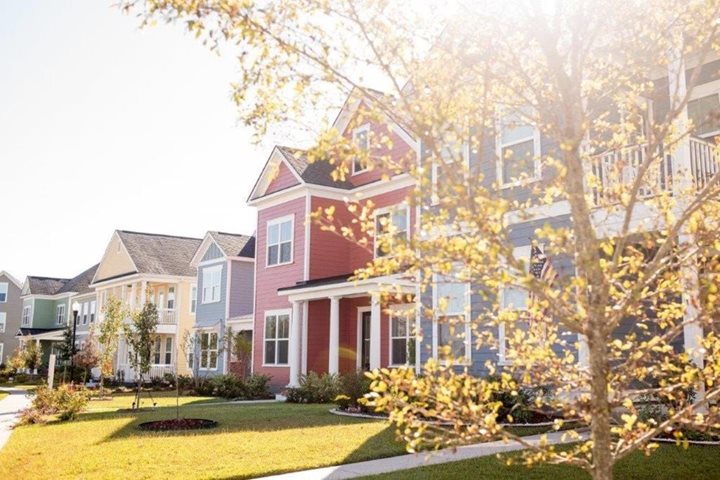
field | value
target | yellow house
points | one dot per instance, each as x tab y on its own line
140	267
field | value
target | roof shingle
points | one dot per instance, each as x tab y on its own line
235	245
160	254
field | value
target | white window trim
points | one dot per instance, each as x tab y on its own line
358	354
468	329
362	128
410	335
85	310
518	252
2	352
93	311
275	313
27	317
57	314
193	299
3	323
209	350
278	221
6	286
390	209
211	270
436	162
705	90
537	166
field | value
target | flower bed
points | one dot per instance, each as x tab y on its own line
178	424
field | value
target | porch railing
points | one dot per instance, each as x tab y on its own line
167	316
704	161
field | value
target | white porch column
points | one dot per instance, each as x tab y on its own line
295	341
677	85
143	293
133	295
375	315
334	348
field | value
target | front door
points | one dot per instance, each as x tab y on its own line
365	340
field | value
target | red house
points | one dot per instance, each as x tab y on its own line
308	315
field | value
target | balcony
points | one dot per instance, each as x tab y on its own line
617	168
167	316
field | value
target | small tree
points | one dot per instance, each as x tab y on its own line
114	314
65	349
139	336
241	348
32	356
88	356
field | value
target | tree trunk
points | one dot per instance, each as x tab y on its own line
600	408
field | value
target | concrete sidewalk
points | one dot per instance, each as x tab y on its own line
404	462
10	408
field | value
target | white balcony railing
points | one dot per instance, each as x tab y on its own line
167	316
704	161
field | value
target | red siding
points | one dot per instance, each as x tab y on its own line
268	280
284	178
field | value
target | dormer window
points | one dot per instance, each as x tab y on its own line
361	140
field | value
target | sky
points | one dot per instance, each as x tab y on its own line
105	126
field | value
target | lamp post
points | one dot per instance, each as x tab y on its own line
76	310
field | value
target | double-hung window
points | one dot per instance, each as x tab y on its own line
26	315
208	350
704	112
518	148
93	310
156	351
60	317
361	140
168	350
212	279
3	318
514	298
277	338
392	226
3	292
85	308
193	298
171	298
279	241
402	336
453	155
451	302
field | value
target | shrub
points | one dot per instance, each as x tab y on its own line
65	401
315	388
256	387
517	406
227	386
204	387
185	382
353	387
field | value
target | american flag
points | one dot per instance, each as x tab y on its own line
540	265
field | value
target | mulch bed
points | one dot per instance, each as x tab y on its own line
178	424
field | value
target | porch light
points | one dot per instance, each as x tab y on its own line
75	307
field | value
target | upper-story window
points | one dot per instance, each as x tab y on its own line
212	279
26	315
451	299
3	317
3	292
703	112
392	226
453	155
85	311
171	298
93	310
517	149
279	241
361	140
60	317
193	299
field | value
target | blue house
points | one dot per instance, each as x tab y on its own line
224	301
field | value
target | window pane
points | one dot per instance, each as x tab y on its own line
273	231
399	327
399	351
704	114
273	255
361	139
285	252
270	327
213	360
518	159
454	293
453	336
282	346
515	298
270	351
213	341
400	219
515	128
204	359
286	231
283	326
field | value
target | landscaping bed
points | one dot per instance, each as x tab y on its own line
178	424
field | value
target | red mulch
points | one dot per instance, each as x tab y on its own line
177	424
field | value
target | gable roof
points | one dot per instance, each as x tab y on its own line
235	245
44	285
11	278
81	283
160	254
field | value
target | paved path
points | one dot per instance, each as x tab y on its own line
10	408
404	462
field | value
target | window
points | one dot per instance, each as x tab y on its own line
361	140
277	338
513	298
93	309
3	317
279	241
208	350
1	352
211	284
402	340
704	112
454	154
518	148
171	298
156	351
452	324
193	300
391	227
85	307
3	292
60	318
168	350
26	315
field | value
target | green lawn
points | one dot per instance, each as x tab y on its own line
252	440
162	399
3	395
668	463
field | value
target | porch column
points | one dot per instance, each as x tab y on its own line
37	345
295	340
133	295
334	349
375	314
677	85
143	293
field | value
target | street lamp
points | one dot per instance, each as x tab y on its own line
76	310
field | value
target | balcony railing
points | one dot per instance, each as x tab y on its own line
167	316
617	168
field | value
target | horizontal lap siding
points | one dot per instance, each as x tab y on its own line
284	179
268	280
318	335
242	288
329	252
211	314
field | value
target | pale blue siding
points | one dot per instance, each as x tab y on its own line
213	253
242	289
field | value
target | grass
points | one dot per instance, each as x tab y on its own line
251	441
3	395
668	463
162	399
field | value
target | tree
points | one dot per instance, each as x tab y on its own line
32	356
552	102
114	315
241	348
88	356
139	335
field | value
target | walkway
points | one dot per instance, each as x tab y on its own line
404	462
10	408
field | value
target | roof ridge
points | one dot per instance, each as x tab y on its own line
159	235
228	233
50	278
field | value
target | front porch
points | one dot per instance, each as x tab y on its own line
336	326
163	359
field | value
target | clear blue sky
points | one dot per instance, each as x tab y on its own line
106	126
